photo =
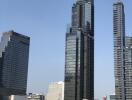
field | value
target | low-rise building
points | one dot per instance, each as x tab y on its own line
18	97
55	91
112	97
35	97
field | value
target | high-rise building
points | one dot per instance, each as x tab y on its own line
79	53
55	91
119	49
14	54
122	55
128	68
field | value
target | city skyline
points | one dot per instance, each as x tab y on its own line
39	31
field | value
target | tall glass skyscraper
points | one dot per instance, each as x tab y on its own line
14	54
122	55
79	53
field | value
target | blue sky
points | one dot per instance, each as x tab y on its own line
45	22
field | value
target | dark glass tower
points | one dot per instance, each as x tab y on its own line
79	53
14	54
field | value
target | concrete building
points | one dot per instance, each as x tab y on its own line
14	54
128	68
35	97
119	51
122	55
79	53
112	97
18	97
104	98
55	91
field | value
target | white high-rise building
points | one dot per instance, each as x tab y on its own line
55	91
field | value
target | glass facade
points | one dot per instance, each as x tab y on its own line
128	68
79	55
72	64
14	54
